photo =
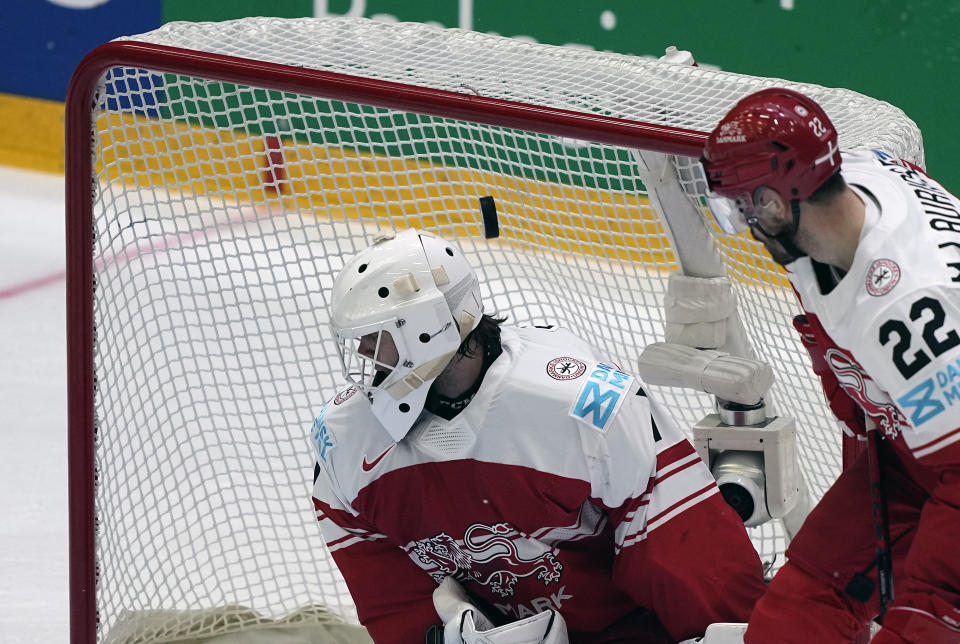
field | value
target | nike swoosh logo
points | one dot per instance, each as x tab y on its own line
369	466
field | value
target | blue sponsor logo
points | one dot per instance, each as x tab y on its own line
931	397
601	396
321	436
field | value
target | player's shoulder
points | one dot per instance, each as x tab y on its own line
347	405
897	274
558	365
911	201
881	178
344	427
889	180
915	244
546	360
877	162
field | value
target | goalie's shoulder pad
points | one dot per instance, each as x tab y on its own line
602	394
547	362
558	365
350	445
349	409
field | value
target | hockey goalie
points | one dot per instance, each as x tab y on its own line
486	482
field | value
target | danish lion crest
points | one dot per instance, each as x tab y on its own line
862	389
490	555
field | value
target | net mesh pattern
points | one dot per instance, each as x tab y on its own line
222	213
471	62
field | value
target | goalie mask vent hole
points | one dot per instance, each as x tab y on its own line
449	251
424	337
404	407
383	292
362	268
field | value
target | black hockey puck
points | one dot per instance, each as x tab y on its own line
491	225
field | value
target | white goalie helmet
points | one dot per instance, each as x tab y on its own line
400	310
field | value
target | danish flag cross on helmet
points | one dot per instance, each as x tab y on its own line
777	138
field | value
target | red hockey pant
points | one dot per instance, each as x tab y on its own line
827	591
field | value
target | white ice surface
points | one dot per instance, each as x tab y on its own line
33	425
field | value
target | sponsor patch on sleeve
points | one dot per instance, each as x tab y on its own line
320	436
601	396
882	276
345	395
933	406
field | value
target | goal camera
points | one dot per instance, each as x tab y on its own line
752	457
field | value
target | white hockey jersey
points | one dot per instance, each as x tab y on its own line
560	485
896	314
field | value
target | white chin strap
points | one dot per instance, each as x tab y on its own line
424	373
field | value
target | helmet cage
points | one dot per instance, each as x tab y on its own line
420	332
360	368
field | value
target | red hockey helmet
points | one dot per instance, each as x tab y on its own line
776	138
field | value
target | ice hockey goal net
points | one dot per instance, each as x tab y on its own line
217	175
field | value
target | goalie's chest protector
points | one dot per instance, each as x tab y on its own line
529	448
897	311
506	485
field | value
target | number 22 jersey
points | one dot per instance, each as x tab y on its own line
895	315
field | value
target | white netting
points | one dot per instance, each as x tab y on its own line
222	213
470	62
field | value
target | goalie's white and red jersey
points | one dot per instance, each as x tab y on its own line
895	315
560	485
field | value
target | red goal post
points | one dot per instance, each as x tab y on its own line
217	173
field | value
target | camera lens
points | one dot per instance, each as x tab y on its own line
738	498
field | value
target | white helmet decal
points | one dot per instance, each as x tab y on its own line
400	310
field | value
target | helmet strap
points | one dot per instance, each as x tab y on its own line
787	238
423	373
448	408
465	324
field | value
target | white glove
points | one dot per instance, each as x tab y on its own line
740	380
696	310
720	633
463	623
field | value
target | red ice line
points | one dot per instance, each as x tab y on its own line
167	242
